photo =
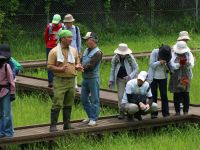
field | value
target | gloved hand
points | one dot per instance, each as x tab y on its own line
12	97
110	85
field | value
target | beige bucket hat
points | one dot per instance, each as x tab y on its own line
183	35
68	18
123	49
181	47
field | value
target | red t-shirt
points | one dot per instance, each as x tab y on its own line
50	39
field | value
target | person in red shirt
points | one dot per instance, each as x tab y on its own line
50	36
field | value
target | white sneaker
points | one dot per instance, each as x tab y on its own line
92	123
86	120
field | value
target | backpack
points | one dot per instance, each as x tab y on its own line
51	28
15	66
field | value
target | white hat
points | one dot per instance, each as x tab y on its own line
142	75
68	18
181	47
183	35
123	49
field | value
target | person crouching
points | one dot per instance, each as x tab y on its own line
137	99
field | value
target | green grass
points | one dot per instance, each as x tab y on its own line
143	65
26	48
35	109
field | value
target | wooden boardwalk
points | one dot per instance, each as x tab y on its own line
36	133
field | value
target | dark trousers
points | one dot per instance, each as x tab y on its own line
50	73
184	98
162	85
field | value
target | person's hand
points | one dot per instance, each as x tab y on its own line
127	78
12	97
110	84
142	106
63	68
162	62
79	67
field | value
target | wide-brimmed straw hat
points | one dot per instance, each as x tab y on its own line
123	49
183	35
68	18
181	47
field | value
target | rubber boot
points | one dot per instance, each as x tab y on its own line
54	119
66	118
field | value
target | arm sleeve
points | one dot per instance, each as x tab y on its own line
135	68
10	79
174	65
79	41
112	71
153	63
46	34
94	61
190	61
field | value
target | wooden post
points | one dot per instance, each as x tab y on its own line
152	12
197	11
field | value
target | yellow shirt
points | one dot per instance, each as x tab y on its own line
70	71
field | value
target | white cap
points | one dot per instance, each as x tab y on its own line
142	75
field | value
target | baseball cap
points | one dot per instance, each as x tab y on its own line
56	19
90	35
142	75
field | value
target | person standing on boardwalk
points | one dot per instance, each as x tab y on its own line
50	37
159	67
76	36
183	36
63	61
7	93
182	63
124	68
90	89
137	99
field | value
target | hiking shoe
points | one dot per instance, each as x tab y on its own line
92	123
86	120
50	85
177	114
154	116
121	116
53	128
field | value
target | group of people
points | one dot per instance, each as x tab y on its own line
137	91
63	42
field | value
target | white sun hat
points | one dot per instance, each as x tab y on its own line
181	47
123	49
183	35
142	75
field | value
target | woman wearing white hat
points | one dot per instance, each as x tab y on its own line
182	63
124	68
